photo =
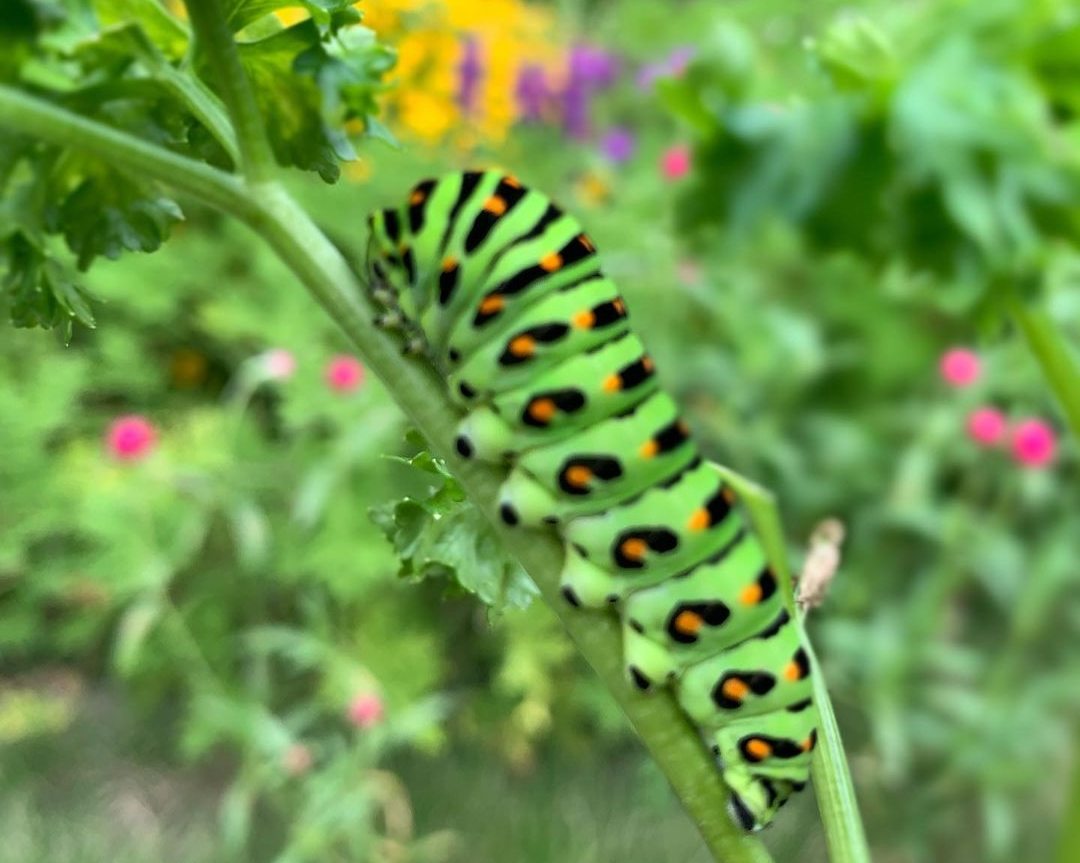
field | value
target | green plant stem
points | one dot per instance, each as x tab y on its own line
1058	365
43	120
1068	850
833	787
214	41
673	742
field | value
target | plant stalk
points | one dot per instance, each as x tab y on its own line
1058	365
214	40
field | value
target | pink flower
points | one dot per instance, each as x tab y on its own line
279	364
365	710
1034	443
986	426
130	437
675	163
344	374
960	367
297	759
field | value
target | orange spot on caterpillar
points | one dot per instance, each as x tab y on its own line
729	494
584	319
522	346
612	384
649	449
808	744
634	548
578	475
495	205
758	749
512	181
417	197
449	264
491	304
751	594
734	689
647	363
688	622
542	410
551	262
619	305
699	519
792	672
587	243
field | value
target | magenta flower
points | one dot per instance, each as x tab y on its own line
986	426
960	367
344	374
365	710
618	145
1034	443
675	162
130	438
279	364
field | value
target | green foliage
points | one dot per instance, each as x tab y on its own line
442	535
125	63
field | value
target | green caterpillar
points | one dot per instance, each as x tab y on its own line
504	292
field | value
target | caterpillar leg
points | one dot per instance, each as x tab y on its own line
484	435
587	585
648	664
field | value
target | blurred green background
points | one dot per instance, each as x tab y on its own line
206	650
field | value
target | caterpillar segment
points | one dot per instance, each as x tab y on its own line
504	293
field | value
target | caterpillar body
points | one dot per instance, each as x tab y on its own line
504	293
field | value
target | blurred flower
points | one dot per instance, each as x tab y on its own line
344	374
130	437
470	70
618	144
592	189
1034	443
986	426
672	66
591	69
690	272
297	759
187	368
960	367
365	710
593	66
675	162
532	91
279	364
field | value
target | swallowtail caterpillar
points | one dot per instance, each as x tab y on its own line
504	293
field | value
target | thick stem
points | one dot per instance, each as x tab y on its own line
833	787
215	42
43	120
276	218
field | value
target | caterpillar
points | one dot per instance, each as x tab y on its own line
503	292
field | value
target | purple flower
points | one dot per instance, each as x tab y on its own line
671	66
618	144
576	110
469	73
593	66
532	91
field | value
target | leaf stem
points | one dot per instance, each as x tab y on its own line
833	787
214	40
1058	365
286	228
